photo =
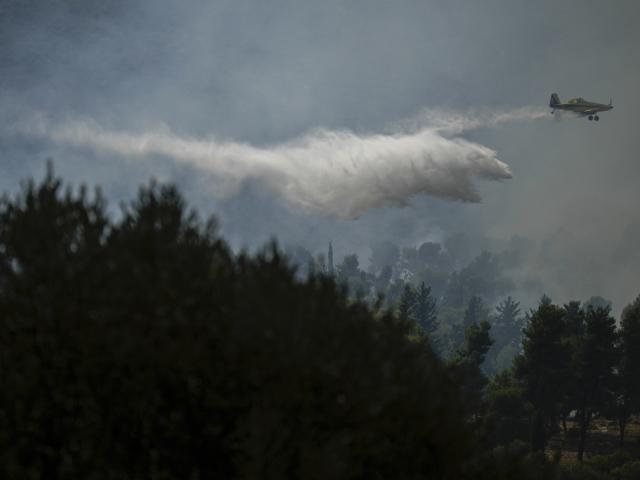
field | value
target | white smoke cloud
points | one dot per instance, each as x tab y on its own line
337	173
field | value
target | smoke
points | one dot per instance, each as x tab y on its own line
335	173
453	122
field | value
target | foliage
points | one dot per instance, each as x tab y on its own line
466	366
507	412
425	311
506	330
542	368
593	367
144	349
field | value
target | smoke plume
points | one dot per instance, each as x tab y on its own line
336	173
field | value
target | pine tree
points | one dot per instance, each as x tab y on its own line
476	312
467	365
542	368
593	366
507	318
506	331
425	310
407	302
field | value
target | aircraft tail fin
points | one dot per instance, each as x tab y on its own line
555	100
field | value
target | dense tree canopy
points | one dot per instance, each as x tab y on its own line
144	348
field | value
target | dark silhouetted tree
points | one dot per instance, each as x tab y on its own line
467	365
593	367
597	302
425	311
506	330
543	368
407	302
574	319
507	418
474	314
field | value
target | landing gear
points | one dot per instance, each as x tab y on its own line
596	118
590	117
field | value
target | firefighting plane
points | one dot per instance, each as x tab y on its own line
579	106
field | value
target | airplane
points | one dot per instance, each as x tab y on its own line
579	106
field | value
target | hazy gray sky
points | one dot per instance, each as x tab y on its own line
264	73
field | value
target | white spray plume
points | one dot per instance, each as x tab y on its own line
337	173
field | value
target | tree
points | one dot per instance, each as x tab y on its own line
425	311
506	330
435	278
407	302
507	416
574	319
476	312
483	277
507	319
468	362
357	282
593	367
629	370
596	301
542	368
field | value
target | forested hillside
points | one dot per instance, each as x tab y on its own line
139	345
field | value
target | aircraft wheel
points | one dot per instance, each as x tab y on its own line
590	117
596	118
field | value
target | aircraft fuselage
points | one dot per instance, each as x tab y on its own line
579	106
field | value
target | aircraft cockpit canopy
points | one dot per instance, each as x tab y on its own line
577	100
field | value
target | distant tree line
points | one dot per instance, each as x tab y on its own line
525	374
